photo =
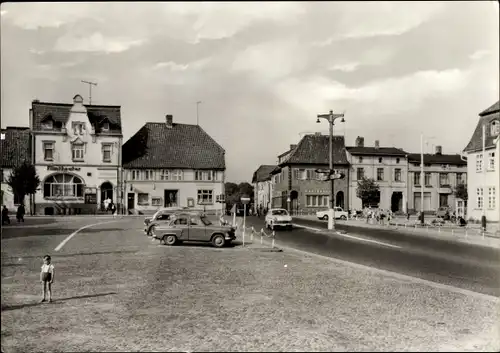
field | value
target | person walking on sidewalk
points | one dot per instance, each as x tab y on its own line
5	215
112	207
20	213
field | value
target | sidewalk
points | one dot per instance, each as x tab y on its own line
459	234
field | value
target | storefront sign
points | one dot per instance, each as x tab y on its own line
62	168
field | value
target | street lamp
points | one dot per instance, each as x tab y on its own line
331	117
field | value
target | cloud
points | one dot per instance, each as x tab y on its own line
171	66
95	43
479	54
348	67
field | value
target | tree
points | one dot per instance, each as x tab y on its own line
23	180
461	192
234	192
368	191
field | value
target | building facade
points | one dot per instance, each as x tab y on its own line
442	174
483	170
263	186
387	166
169	164
296	184
77	154
15	149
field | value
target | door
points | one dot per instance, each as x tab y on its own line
197	230
170	198
443	200
130	201
181	227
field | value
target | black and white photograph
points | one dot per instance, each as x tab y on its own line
269	176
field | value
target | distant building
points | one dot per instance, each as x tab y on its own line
171	164
263	186
442	174
295	174
484	190
76	151
15	148
387	166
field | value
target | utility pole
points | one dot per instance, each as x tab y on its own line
422	178
197	113
90	89
483	191
331	121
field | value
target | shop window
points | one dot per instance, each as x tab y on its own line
62	186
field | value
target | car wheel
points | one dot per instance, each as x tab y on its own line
170	239
325	218
343	217
218	241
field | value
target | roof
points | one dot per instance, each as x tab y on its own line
183	146
263	173
59	113
15	148
376	151
495	108
476	141
454	159
314	149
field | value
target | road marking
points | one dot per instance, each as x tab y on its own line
466	292
68	238
351	236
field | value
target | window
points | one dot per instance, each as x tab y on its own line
317	200
148	174
491	197
397	174
164	174
78	128
203	175
479	195
134	175
397	160
77	151
494	128
380	160
360	159
443	179
48	151
63	185
491	161
143	199
205	197
194	221
299	174
416	178
106	152
105	127
361	173
479	163
380	174
176	174
156	201
460	178
181	221
428	181
48	124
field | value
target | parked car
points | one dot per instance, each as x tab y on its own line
193	226
339	214
278	217
161	216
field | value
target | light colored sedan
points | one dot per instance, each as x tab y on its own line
278	218
339	214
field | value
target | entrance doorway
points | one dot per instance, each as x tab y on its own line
339	200
106	191
170	198
130	201
397	201
443	200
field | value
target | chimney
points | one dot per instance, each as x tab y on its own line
292	147
439	150
360	141
377	143
169	119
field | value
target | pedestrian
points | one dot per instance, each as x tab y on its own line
20	213
47	276
112	207
5	215
408	216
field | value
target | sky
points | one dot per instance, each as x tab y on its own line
263	71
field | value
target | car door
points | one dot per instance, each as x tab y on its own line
197	230
181	227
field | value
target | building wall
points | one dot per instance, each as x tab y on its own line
187	189
263	193
475	180
388	185
433	190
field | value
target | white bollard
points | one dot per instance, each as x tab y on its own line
466	232
243	236
274	234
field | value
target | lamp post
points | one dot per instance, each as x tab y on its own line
422	179
331	117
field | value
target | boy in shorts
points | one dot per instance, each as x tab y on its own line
47	277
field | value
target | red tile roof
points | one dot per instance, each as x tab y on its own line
183	146
59	113
314	149
485	117
374	151
453	159
263	173
16	147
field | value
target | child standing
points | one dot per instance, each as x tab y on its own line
47	277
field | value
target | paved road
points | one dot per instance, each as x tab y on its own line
460	265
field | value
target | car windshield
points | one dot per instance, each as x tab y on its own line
205	220
279	213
